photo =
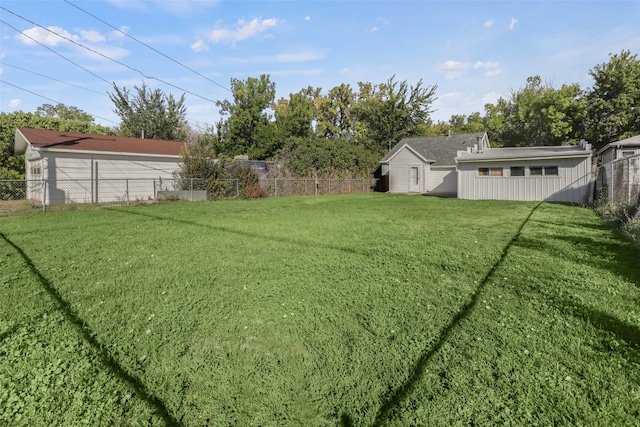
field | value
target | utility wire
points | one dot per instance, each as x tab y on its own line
54	79
202	126
52	100
103	55
60	55
149	47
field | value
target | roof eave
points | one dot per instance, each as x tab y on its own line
97	152
468	159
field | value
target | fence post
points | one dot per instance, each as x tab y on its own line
237	187
44	195
191	190
127	181
628	180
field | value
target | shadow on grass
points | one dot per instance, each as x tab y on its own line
620	258
89	336
304	243
605	322
401	392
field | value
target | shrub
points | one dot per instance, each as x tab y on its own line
632	229
253	192
612	212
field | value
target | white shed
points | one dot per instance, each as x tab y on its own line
84	168
620	149
426	164
558	174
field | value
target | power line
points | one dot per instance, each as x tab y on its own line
202	126
52	100
103	55
54	79
149	47
60	55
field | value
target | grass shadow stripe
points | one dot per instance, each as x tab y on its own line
305	243
401	392
108	361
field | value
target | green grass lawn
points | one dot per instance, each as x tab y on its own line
367	309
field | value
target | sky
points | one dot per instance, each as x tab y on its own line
72	52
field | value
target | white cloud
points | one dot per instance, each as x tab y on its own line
300	56
92	36
47	38
493	73
118	34
488	24
453	65
456	69
199	46
513	23
13	103
373	29
344	71
242	30
485	65
307	18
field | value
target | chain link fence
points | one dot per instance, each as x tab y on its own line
618	182
128	190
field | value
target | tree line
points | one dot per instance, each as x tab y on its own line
346	130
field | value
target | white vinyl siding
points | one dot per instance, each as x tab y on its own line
442	180
399	171
70	176
571	184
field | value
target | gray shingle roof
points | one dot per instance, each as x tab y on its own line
439	150
634	141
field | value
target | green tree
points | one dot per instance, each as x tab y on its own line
246	126
390	111
333	113
536	115
613	103
150	113
11	166
61	111
294	117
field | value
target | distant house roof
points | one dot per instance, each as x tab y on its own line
634	141
82	142
438	150
526	153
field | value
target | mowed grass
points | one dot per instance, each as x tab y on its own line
367	309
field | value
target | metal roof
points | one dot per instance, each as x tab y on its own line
526	153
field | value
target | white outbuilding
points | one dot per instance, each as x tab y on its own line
554	174
84	168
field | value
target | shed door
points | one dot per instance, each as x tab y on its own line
414	179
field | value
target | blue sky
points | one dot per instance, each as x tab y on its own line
474	51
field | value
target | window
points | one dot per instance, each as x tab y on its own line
535	171
628	153
36	170
546	170
517	170
489	171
